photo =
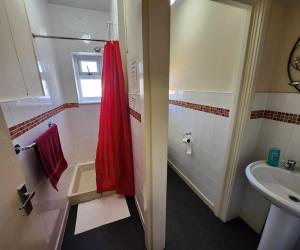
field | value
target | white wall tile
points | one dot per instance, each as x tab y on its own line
284	102
216	99
78	127
260	136
137	149
74	22
49	204
84	127
204	168
259	101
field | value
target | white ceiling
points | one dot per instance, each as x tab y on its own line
100	5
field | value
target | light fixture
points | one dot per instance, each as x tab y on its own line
172	2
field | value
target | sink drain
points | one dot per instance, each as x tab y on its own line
293	198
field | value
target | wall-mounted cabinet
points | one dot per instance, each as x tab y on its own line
19	74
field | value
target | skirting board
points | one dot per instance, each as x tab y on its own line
62	228
140	211
192	186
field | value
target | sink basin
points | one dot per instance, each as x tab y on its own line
282	188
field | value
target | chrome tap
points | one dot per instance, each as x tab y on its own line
290	165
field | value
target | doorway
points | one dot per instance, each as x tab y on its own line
156	29
207	52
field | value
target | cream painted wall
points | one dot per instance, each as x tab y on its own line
282	32
207	40
270	47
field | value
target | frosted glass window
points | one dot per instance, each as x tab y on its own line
89	67
87	71
90	87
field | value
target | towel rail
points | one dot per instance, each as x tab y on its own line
18	148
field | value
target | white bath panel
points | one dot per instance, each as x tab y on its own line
100	212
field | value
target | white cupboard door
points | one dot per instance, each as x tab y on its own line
17	231
11	80
22	36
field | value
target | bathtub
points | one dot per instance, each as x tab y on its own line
83	184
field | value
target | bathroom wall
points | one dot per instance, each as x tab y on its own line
134	63
207	51
114	19
254	211
14	225
78	124
210	132
29	118
204	54
75	22
282	33
266	129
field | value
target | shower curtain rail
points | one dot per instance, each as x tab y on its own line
69	38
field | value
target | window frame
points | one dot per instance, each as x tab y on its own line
77	58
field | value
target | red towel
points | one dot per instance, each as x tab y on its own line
49	150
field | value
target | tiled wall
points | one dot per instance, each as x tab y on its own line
135	114
246	157
84	126
201	108
277	128
207	116
135	110
74	22
78	124
35	114
134	56
49	204
25	126
137	141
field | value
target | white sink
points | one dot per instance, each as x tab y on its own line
282	188
276	184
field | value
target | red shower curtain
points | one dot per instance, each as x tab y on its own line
114	163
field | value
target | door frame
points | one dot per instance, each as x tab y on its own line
242	109
156	52
156	38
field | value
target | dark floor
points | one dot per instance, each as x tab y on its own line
126	234
191	225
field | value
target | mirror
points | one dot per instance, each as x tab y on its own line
294	66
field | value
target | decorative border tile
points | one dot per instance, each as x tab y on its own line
135	114
21	128
276	116
203	108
